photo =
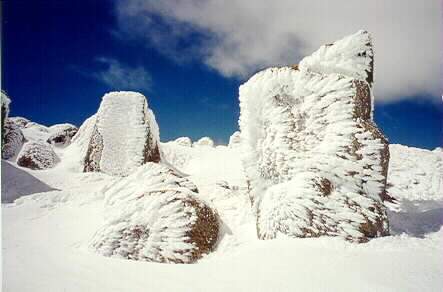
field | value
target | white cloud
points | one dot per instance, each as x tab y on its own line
237	38
122	77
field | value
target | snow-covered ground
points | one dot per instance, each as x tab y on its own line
47	232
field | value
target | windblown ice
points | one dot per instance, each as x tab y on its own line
315	161
154	215
125	135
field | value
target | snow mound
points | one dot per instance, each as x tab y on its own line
13	140
154	215
315	161
234	140
204	141
62	134
415	174
125	135
37	155
183	141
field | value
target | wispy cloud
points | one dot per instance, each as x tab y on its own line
237	38
122	77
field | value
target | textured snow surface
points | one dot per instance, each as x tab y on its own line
311	151
37	155
148	216
184	141
125	130
47	236
234	140
20	121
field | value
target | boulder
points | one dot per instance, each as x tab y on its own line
315	160
62	134
204	141
184	141
234	140
13	140
37	155
5	101
125	135
155	215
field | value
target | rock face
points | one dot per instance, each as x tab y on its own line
125	135
37	155
315	160
205	141
21	122
154	215
5	101
62	134
13	140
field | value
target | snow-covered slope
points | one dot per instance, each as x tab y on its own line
56	228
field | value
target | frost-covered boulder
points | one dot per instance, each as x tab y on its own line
125	135
154	215
5	101
37	155
204	141
13	140
234	140
315	160
62	134
21	122
184	141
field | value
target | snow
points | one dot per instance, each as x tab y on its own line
13	140
37	155
127	129
234	140
47	236
184	141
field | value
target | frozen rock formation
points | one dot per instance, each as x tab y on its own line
315	160
62	134
125	135
204	141
13	140
154	215
20	121
37	155
234	140
184	141
415	174
5	110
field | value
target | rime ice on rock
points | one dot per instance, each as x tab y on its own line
5	110
20	121
184	141
13	140
37	155
234	140
315	160
125	135
62	134
154	215
204	141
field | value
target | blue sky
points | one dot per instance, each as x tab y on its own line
60	57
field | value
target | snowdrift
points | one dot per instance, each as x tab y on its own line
155	215
125	135
315	161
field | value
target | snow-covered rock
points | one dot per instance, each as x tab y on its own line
315	160
155	215
20	121
204	141
184	141
5	101
125	135
415	174
13	140
37	155
234	140
62	134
